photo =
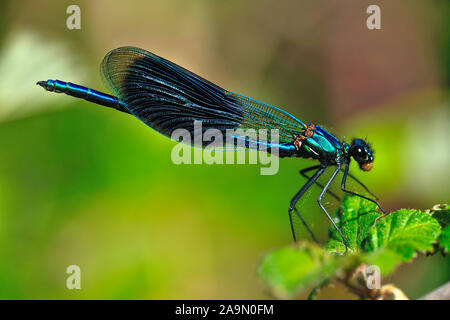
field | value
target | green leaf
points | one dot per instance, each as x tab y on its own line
386	243
288	270
404	231
334	247
354	217
444	239
441	212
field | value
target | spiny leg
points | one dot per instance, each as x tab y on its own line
319	200
304	223
344	180
361	184
303	173
297	197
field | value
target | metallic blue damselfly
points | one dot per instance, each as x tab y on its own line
167	97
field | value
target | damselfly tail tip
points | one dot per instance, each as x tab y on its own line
47	85
43	84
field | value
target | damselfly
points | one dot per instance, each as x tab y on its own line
167	97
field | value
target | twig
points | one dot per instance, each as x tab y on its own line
441	293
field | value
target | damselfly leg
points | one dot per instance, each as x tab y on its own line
324	190
360	183
305	170
303	173
297	197
344	180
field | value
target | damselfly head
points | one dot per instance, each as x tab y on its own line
361	151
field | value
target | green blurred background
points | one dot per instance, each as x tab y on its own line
85	185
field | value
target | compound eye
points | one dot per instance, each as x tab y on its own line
360	154
363	153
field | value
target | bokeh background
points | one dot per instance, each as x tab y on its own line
85	185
